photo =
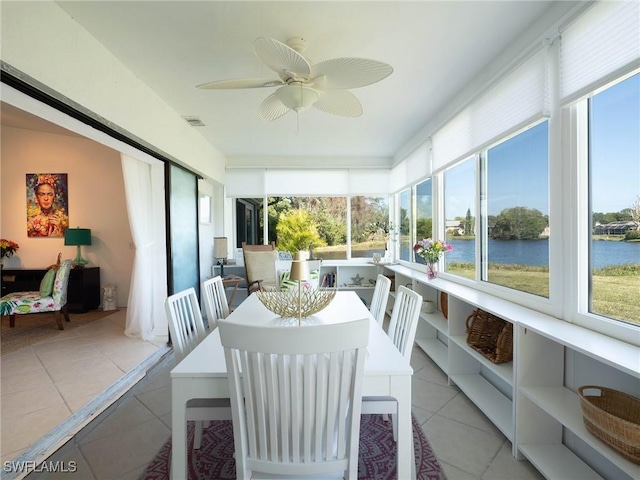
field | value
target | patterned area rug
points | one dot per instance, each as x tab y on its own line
33	328
377	453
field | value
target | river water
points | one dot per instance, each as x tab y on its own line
536	252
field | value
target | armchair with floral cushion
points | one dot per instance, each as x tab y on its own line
52	297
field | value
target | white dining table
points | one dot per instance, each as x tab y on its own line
203	372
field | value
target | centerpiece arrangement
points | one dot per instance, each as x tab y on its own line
299	302
431	251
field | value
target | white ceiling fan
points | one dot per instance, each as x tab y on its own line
302	85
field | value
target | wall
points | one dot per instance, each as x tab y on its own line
40	40
96	201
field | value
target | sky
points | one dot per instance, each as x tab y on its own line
615	148
615	161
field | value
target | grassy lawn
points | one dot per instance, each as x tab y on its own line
615	289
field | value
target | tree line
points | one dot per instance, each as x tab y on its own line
300	222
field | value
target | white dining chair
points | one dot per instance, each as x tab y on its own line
380	297
402	331
215	301
296	397
187	330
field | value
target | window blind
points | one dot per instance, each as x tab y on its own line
598	47
247	183
307	182
259	182
519	99
414	168
368	182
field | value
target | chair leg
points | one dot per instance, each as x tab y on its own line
197	439
59	319
394	422
12	320
65	312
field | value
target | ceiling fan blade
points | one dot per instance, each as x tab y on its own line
339	102
241	83
349	72
272	108
281	58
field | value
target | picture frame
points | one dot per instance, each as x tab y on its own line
47	202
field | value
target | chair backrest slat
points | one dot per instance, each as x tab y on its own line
185	321
295	396
378	305
404	320
215	301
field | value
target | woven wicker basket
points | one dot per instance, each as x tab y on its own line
613	417
490	335
444	304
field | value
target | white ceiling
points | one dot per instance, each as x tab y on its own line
435	48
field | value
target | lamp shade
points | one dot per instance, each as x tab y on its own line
77	236
299	267
297	97
220	247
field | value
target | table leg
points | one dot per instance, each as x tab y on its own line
401	391
178	433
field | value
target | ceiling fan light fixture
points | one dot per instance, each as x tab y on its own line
323	85
297	97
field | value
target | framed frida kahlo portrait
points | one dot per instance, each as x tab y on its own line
47	204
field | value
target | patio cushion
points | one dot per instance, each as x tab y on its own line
46	285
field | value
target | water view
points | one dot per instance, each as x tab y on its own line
536	252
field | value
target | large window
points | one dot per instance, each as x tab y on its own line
248	221
460	223
424	213
517	224
614	196
309	223
318	224
405	225
369	226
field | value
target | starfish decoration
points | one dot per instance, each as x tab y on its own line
357	280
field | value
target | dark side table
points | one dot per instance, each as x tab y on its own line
83	290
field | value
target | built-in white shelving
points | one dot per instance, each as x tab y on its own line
532	399
346	272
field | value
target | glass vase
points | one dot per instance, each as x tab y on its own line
432	270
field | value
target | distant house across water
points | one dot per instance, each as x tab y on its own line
454	226
614	228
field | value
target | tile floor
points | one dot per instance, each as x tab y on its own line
124	438
43	385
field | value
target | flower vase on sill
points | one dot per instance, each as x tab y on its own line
432	270
431	251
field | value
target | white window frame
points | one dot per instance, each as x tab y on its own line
580	282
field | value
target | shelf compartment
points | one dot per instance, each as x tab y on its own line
497	407
437	350
564	406
436	320
557	461
503	370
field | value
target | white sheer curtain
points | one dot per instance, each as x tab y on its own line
139	191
